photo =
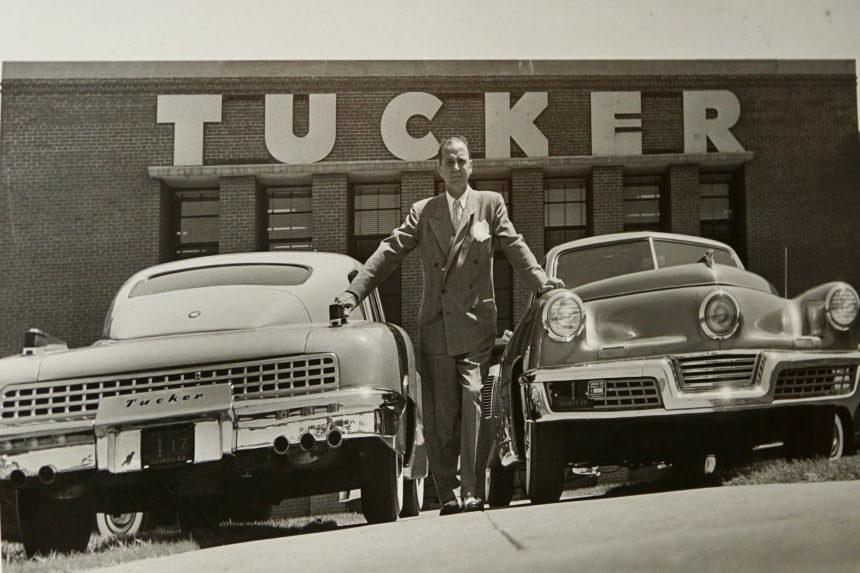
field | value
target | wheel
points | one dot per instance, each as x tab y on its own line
696	469
198	516
381	483
544	463
811	435
413	496
499	486
48	525
837	444
119	524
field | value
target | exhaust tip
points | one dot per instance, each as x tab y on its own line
47	474
307	441
281	445
334	438
18	478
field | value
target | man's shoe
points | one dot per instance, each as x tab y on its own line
473	504
450	507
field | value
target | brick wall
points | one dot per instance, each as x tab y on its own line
605	197
238	226
683	189
330	212
527	215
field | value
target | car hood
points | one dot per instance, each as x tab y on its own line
698	274
212	309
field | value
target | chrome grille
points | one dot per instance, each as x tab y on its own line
621	394
629	394
709	371
487	397
79	398
810	382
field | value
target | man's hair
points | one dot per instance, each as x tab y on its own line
448	140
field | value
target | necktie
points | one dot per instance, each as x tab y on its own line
457	214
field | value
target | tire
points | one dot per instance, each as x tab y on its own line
119	524
413	497
197	517
544	463
499	486
811	435
381	483
53	525
838	446
696	469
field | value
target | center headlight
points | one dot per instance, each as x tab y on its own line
719	315
842	306
564	316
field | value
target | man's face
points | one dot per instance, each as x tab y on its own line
455	167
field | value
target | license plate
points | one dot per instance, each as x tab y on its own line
579	403
166	446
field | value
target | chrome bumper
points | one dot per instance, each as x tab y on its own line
674	399
221	427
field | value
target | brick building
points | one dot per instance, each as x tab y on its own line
110	167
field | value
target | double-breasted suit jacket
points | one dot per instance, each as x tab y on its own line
458	306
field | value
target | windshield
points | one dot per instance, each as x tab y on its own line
250	274
589	264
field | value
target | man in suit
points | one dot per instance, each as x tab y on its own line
455	233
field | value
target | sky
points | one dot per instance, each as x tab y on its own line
101	30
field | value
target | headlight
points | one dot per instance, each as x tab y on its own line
841	306
564	316
719	315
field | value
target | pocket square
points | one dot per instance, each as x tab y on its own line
480	230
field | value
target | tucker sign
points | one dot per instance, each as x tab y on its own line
616	124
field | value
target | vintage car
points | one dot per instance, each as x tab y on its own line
219	382
663	349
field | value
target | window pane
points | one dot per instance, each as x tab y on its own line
376	213
642	207
198	230
195	224
565	210
290	219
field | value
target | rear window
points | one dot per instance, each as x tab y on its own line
223	275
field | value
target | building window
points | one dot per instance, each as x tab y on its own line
715	211
641	205
565	211
376	212
195	228
289	219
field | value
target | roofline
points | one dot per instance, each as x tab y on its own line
22	70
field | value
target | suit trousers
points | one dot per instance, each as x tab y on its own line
451	394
